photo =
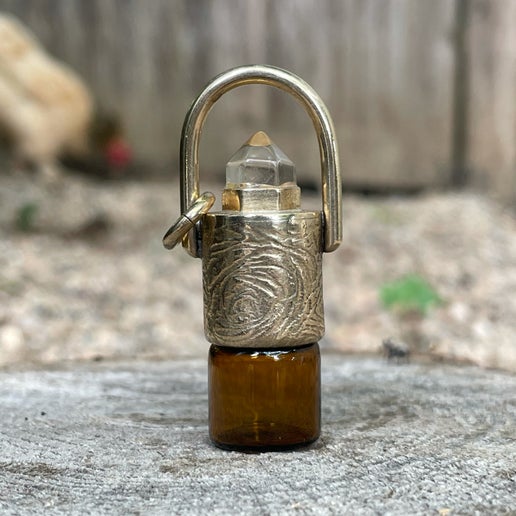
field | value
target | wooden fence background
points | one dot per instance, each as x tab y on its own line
422	92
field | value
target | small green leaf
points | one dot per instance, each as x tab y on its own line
410	292
25	216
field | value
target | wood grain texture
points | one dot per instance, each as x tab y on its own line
132	439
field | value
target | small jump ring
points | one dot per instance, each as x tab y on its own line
188	220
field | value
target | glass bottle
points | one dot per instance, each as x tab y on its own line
263	399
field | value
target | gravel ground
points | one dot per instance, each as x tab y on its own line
90	278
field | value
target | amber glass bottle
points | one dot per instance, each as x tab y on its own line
263	399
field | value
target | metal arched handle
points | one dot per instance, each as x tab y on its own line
314	106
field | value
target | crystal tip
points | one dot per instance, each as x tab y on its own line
259	163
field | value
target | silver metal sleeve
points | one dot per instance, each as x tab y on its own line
262	279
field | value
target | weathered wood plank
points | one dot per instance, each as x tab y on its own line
132	438
492	96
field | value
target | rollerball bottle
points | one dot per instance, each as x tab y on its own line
262	274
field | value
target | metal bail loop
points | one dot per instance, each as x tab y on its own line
314	106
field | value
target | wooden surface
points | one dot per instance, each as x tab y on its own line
131	438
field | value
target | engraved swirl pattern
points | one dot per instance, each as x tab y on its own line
262	284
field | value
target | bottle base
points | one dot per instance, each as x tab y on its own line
262	438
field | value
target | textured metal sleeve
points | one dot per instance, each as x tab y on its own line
262	279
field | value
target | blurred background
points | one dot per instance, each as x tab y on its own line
423	99
422	93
